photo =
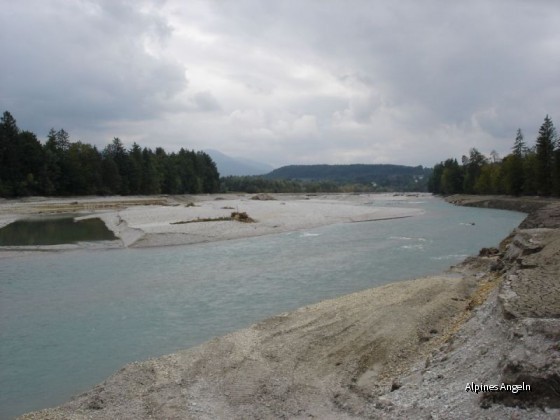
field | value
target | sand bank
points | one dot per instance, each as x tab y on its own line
176	220
181	224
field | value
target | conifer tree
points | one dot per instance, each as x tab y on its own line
513	170
544	154
556	169
519	147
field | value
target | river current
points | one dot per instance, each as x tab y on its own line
70	319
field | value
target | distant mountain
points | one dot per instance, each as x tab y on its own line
228	165
391	176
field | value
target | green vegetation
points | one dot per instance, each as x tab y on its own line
526	170
61	167
332	178
259	184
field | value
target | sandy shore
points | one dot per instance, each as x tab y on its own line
176	220
405	350
315	362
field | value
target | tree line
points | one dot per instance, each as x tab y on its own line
255	184
527	170
258	184
61	167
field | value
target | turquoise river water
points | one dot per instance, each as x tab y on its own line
70	319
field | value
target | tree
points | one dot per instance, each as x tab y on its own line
58	140
210	175
135	169
21	159
472	168
512	170
116	152
51	172
544	156
530	183
451	178
9	132
31	158
111	179
57	174
84	169
512	166
151	177
489	181
519	147
556	169
188	172
434	183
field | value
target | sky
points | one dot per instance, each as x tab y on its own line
408	82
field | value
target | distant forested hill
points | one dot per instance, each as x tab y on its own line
393	177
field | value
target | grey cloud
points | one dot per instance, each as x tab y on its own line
85	63
255	82
406	82
414	48
206	102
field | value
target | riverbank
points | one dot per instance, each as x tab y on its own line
404	350
510	338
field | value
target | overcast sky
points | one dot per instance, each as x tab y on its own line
288	81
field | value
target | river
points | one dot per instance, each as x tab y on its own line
70	319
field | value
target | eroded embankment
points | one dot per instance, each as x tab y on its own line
405	350
511	339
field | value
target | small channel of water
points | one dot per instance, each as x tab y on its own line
54	231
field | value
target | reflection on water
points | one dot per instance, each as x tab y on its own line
54	231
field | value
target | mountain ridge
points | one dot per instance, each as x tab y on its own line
378	174
237	166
